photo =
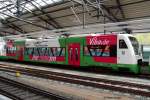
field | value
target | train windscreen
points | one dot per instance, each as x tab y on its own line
135	44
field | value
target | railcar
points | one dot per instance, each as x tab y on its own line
115	51
2	48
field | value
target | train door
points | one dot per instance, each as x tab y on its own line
123	52
74	54
20	53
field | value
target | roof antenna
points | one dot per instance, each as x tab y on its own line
127	30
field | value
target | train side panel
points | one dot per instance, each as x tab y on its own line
46	51
100	50
2	48
112	51
15	49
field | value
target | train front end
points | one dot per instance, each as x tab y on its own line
129	52
136	49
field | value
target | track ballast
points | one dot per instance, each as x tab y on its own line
125	87
19	91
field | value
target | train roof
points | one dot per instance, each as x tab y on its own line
25	39
83	35
69	36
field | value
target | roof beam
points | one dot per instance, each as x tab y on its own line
120	8
132	3
113	7
13	26
59	3
51	20
26	21
106	9
64	8
5	32
33	13
110	13
43	19
18	6
78	1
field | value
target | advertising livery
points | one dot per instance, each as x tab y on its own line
120	51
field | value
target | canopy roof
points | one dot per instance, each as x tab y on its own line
24	16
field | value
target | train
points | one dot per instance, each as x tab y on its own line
115	51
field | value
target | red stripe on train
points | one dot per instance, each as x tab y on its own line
105	59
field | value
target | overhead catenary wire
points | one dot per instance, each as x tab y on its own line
135	25
76	16
78	19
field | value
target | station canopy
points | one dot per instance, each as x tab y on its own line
27	16
13	7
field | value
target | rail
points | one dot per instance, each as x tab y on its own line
19	91
125	87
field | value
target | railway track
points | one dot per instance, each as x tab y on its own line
125	87
19	91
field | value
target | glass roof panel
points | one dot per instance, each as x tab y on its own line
35	3
42	3
49	1
10	6
29	6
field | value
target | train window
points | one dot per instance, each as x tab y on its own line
26	51
30	51
86	51
54	51
35	52
76	54
11	50
92	50
106	51
113	51
71	53
62	52
46	52
135	44
98	52
50	52
58	51
101	50
41	51
122	44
